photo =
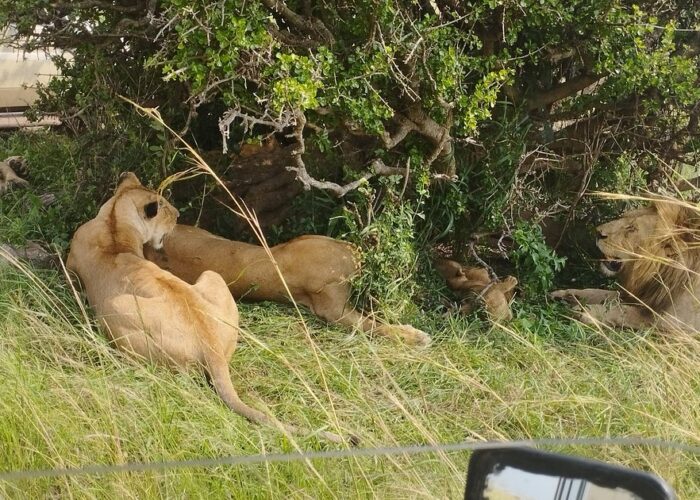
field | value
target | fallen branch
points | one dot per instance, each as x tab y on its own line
32	252
688	184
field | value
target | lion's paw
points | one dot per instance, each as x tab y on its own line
414	336
566	295
584	315
410	335
509	282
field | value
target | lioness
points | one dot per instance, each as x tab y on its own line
655	254
147	311
317	270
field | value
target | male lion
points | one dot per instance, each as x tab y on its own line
655	253
317	270
147	311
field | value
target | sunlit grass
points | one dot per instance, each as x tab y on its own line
68	399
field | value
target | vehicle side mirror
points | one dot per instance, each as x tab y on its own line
529	474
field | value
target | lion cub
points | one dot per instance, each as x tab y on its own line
474	283
10	170
147	311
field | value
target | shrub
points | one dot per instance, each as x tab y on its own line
501	106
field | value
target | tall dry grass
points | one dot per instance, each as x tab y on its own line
68	399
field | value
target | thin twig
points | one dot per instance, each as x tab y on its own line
472	251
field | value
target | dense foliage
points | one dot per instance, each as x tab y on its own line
496	111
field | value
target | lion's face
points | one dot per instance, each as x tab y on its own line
145	210
621	239
654	251
664	229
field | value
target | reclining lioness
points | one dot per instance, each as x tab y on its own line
317	270
147	311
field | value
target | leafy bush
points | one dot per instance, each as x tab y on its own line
496	111
78	172
535	261
389	251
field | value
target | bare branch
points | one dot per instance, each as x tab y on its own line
249	121
377	167
91	4
475	255
301	172
380	168
311	26
562	91
336	189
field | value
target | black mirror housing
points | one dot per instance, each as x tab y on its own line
529	474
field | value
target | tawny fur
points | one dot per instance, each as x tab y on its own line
475	283
655	254
317	270
147	311
9	170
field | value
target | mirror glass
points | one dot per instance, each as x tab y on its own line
509	483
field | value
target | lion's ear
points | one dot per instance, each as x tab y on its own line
674	213
682	221
127	180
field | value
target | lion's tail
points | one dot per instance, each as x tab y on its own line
221	379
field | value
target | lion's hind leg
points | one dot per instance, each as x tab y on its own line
332	303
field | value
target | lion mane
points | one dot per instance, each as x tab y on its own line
668	262
655	254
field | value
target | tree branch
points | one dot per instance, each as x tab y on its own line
311	26
561	91
248	121
102	4
287	38
405	126
377	167
436	133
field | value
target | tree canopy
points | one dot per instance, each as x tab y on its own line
488	112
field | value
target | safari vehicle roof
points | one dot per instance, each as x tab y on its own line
20	71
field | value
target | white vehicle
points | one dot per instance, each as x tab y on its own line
20	71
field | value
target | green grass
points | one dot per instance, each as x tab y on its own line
67	399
